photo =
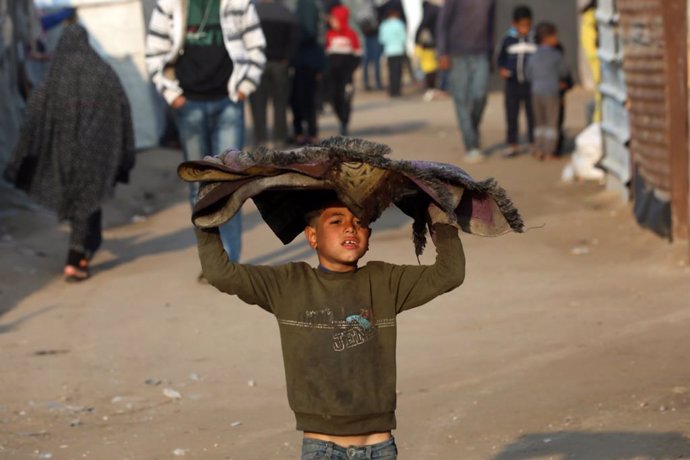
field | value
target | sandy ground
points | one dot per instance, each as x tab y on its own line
567	342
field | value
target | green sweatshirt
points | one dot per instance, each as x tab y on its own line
338	330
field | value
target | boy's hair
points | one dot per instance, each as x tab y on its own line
544	30
320	200
522	12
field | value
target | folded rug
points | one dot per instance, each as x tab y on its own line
286	185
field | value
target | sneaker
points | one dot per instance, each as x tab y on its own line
429	95
474	156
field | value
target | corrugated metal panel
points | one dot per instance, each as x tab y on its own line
645	72
615	121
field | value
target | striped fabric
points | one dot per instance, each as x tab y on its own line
242	35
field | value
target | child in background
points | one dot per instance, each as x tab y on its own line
516	49
393	36
425	48
546	70
344	53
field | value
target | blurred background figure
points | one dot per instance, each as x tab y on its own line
465	44
393	38
517	47
76	143
548	74
308	64
205	70
344	53
425	48
368	18
590	41
279	26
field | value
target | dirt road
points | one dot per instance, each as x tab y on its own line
567	342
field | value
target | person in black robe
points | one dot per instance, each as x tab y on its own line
75	144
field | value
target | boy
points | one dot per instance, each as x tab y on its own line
516	49
344	53
546	70
337	325
393	37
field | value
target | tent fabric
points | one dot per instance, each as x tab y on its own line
285	185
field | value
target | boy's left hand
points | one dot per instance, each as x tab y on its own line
437	215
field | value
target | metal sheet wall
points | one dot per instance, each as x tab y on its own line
653	36
643	38
615	122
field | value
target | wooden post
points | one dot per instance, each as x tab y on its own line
675	14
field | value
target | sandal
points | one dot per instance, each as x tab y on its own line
75	275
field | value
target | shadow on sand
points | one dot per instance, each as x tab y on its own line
579	445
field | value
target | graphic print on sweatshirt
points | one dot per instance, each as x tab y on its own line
349	330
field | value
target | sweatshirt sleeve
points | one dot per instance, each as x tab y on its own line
413	286
254	284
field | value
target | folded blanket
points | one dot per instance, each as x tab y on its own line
285	185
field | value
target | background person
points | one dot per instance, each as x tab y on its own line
76	143
205	69
465	43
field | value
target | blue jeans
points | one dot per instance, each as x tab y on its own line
210	128
372	55
314	449
468	80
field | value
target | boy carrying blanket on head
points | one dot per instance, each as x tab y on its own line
338	324
338	321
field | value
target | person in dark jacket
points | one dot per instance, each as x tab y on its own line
76	143
279	26
518	45
369	18
308	64
465	44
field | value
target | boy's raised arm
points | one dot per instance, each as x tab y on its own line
416	285
254	284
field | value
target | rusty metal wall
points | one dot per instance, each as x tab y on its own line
653	36
645	71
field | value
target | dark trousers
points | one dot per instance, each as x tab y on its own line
341	94
303	101
395	66
274	85
372	56
85	239
516	94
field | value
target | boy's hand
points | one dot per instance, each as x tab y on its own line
438	215
505	73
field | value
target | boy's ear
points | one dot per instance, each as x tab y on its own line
310	234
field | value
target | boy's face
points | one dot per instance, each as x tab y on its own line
523	26
338	238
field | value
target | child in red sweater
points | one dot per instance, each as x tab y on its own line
344	53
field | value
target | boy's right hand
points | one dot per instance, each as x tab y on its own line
505	73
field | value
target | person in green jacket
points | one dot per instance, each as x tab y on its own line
338	325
